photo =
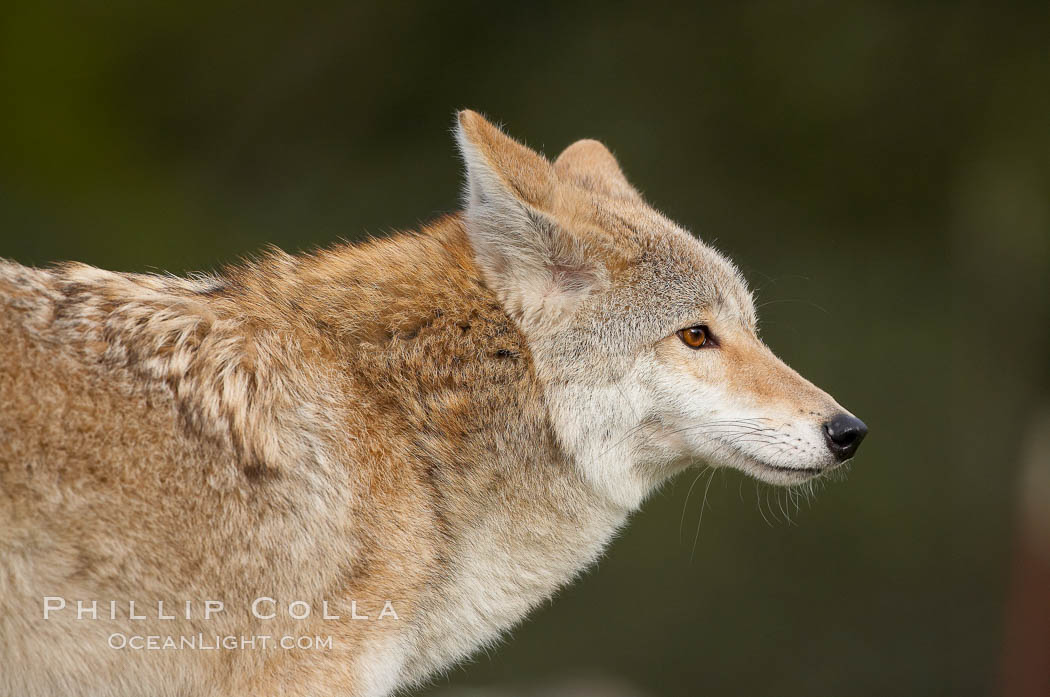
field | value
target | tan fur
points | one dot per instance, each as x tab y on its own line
417	419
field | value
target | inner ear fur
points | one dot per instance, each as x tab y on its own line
539	270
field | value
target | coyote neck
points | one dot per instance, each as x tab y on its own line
442	382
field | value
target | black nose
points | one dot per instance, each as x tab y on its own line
844	434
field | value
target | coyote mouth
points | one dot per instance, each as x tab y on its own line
799	470
780	474
777	474
785	476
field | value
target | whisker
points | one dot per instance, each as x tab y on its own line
758	499
790	300
703	505
685	505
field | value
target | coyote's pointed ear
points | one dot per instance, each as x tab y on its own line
589	164
539	270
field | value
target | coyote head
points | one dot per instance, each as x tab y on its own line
644	338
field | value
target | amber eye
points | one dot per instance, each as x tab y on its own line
694	337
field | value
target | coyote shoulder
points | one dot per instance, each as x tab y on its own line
433	431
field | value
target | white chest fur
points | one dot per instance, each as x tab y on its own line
501	572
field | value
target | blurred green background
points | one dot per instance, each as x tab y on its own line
880	171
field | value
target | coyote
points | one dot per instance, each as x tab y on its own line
338	473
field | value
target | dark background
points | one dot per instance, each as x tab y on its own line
880	171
